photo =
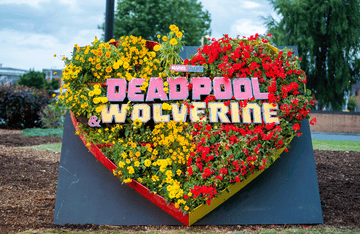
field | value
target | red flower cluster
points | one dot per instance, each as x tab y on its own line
228	153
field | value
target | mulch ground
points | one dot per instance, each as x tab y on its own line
28	180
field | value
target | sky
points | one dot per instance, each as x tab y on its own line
32	31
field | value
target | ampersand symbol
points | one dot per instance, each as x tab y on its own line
93	122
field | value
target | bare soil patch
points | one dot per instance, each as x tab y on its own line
28	189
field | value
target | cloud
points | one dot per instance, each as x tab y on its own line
246	27
32	50
250	4
32	3
33	31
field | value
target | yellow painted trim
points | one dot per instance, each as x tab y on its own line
204	209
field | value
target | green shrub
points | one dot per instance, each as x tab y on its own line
53	115
34	79
20	106
352	104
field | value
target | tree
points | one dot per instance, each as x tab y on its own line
327	33
33	79
148	18
52	84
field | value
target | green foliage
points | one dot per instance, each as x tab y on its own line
52	84
38	80
57	132
53	115
328	39
148	18
352	104
33	79
20	106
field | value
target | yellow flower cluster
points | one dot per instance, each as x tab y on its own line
155	156
99	61
170	49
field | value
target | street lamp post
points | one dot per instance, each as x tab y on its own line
203	38
109	20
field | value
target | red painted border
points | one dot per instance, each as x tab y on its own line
154	198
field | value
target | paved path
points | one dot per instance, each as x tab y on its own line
333	136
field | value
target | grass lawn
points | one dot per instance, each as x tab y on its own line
336	145
51	147
43	132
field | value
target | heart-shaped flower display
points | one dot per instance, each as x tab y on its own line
184	138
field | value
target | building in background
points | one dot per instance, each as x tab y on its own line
52	73
9	76
356	92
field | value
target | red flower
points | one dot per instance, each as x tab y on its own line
296	127
190	171
208	127
150	44
313	121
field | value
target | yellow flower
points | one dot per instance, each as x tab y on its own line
166	106
137	154
179	34
108	69
91	93
98	66
96	100
126	65
131	170
104	99
121	164
128	180
137	163
158	36
54	55
186	208
155	178
77	133
164	38
172	27
116	66
137	123
99	108
145	84
173	41
97	91
147	163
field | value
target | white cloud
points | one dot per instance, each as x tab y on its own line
246	27
33	3
37	50
250	4
33	31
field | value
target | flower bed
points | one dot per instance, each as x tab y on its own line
189	164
